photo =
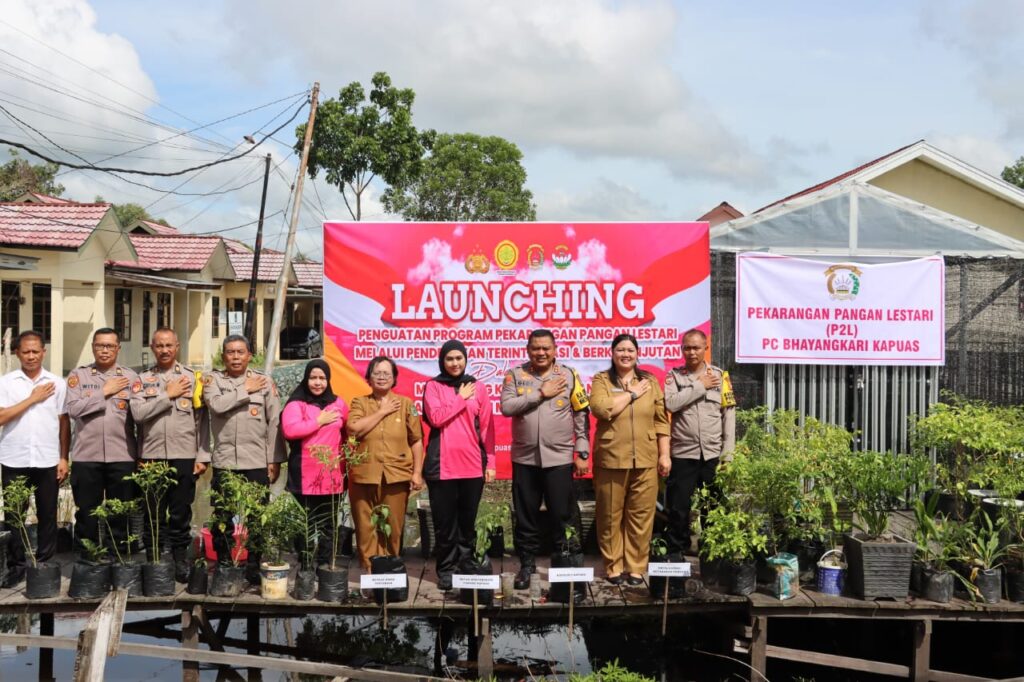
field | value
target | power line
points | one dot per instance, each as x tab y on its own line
90	166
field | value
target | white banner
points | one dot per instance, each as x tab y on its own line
669	569
804	312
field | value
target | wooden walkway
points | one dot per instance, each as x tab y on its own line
750	618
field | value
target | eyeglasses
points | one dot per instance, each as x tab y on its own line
105	346
235	353
381	375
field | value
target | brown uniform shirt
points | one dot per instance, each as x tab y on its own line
630	439
104	430
700	425
545	433
389	444
169	429
245	425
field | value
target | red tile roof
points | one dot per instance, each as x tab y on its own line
308	274
235	246
722	213
838	178
38	198
271	263
160	229
49	225
181	252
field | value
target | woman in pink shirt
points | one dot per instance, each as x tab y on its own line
313	421
459	458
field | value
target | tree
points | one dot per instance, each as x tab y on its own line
129	213
1015	174
355	141
18	176
465	177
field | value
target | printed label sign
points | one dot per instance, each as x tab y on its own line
381	581
476	582
805	312
669	570
571	575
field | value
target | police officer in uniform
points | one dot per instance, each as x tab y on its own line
245	415
104	450
699	397
165	408
550	424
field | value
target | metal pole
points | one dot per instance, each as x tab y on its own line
250	315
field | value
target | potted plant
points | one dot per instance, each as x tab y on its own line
332	577
492	524
479	562
125	574
42	579
879	563
198	575
984	553
380	519
241	500
568	554
936	546
734	537
154	479
305	548
278	528
965	435
658	553
90	574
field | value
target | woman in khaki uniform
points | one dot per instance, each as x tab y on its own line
631	449
390	433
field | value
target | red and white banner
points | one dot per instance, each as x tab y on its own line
403	289
795	311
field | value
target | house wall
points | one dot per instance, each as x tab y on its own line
263	293
923	182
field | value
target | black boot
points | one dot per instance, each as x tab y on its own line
527	567
180	555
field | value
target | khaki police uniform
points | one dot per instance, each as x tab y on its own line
104	447
546	432
246	438
171	430
703	433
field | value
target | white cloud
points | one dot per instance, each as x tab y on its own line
604	200
982	153
587	76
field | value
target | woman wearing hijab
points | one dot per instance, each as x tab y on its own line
631	449
313	420
391	436
459	458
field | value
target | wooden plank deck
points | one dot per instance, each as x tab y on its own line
602	598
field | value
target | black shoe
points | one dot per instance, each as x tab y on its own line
14	577
615	579
522	580
634	580
444	582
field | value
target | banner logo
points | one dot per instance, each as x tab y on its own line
506	255
535	256
477	263
843	282
560	257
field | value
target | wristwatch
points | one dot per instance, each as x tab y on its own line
633	396
583	455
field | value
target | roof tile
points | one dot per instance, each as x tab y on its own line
181	252
52	225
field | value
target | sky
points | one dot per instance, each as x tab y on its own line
650	110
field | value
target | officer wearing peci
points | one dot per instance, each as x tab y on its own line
550	423
166	407
104	448
245	416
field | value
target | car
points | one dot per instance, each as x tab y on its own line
301	342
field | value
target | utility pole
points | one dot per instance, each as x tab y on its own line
250	315
282	281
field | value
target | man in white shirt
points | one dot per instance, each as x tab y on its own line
34	443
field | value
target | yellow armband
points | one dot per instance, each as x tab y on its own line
579	398
197	392
728	397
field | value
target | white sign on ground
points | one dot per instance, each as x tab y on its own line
571	575
669	569
382	581
476	582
